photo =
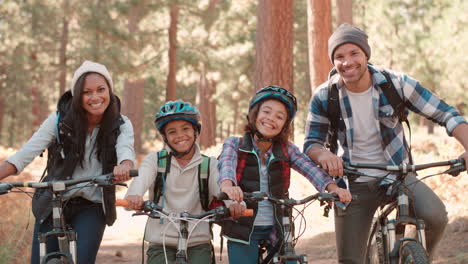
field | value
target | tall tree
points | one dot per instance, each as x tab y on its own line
63	48
319	28
345	11
274	44
172	52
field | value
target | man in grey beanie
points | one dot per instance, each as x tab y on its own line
368	132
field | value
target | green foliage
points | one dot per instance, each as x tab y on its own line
424	38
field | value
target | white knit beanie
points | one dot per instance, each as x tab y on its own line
89	66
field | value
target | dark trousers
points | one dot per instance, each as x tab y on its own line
352	226
87	219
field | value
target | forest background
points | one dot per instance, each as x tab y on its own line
215	54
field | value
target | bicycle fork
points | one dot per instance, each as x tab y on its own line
389	228
66	238
289	252
181	255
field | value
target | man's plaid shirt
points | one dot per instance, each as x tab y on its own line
417	98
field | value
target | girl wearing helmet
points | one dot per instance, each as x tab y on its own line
261	161
179	125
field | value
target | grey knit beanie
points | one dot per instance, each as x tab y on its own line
89	66
347	33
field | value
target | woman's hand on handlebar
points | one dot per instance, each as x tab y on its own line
343	194
135	202
122	171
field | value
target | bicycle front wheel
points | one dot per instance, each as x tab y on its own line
413	252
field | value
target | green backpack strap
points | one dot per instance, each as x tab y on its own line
164	161
203	178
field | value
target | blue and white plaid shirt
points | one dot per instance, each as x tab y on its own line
418	99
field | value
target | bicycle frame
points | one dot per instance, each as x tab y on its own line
392	231
155	211
287	251
67	237
392	228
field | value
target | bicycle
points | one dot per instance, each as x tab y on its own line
151	209
287	251
387	242
66	236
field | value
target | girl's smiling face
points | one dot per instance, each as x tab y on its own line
271	118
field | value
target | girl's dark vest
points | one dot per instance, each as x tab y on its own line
61	163
248	178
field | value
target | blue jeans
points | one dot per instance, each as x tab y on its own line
87	219
248	254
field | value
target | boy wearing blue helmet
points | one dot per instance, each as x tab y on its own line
178	186
261	161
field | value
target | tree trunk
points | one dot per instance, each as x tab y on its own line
63	51
345	11
274	44
132	107
171	76
207	108
319	30
134	90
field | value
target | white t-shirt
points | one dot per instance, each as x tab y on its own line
367	146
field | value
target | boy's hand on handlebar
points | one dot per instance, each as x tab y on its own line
331	163
236	210
343	194
135	201
122	171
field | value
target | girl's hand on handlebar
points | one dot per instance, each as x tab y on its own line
236	209
135	201
234	192
343	194
122	171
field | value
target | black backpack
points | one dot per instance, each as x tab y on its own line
334	113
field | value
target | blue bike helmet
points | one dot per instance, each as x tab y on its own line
277	93
177	110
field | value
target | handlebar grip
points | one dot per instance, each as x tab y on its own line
133	173
248	212
122	202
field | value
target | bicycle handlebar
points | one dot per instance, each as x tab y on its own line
456	166
102	180
259	196
153	210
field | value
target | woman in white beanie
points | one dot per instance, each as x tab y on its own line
86	136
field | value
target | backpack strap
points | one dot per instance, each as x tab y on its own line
333	112
397	103
399	106
164	167
203	178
